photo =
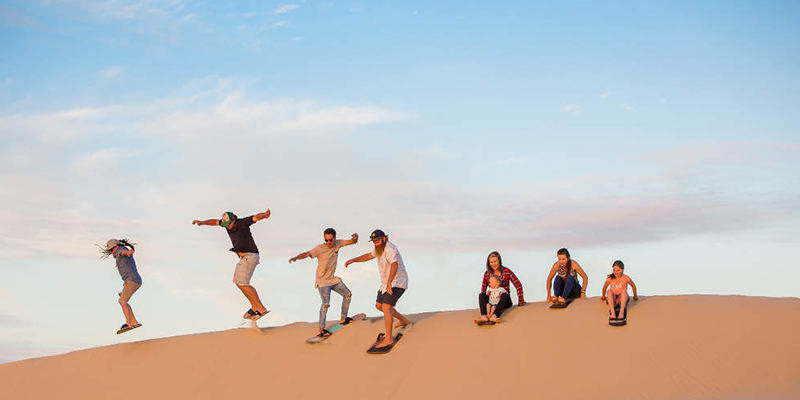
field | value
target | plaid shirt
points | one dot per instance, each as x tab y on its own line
507	276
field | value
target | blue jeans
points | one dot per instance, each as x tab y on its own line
325	294
569	289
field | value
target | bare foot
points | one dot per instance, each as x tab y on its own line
481	319
561	300
385	342
493	318
611	314
621	313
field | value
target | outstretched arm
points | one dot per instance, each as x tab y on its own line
260	216
518	286
361	258
299	257
635	293
212	222
550	279
353	240
585	279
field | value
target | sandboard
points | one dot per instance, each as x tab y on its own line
619	322
486	323
386	349
126	328
335	328
565	305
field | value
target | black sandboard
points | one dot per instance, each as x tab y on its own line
486	323
565	305
619	322
386	349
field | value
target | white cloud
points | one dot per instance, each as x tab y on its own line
285	9
572	108
96	162
110	72
188	17
414	13
627	106
605	95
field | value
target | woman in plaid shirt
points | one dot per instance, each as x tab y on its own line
494	266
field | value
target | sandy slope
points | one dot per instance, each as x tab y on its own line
672	347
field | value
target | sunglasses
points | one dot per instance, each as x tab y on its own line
329	240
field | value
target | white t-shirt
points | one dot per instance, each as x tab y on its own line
326	263
494	295
385	260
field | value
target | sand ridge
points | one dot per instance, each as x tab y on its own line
694	346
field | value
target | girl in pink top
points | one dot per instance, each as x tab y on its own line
617	285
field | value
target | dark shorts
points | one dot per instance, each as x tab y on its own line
390	299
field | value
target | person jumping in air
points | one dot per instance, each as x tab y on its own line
394	282
617	285
327	255
495	292
244	246
122	250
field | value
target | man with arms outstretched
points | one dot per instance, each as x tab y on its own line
327	255
394	282
245	247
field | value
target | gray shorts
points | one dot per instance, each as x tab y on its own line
245	268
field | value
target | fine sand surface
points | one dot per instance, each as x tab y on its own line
673	347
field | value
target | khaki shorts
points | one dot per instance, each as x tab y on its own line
128	289
245	268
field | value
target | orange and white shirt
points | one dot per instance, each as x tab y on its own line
618	285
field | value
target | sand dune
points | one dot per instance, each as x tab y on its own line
673	347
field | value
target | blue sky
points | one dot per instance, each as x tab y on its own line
661	134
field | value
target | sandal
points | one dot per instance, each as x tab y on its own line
249	314
324	333
257	315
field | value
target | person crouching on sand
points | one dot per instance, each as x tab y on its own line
122	250
495	293
494	266
565	285
394	281
617	285
244	246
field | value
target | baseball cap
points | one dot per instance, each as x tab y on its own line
376	234
227	218
111	244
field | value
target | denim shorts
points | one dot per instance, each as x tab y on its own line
245	268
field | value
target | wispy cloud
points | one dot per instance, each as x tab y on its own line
110	72
572	108
285	9
627	106
605	95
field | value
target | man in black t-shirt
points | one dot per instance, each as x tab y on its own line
245	247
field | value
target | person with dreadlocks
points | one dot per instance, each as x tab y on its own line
122	250
244	246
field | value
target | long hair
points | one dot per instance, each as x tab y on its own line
565	252
120	242
489	266
619	264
